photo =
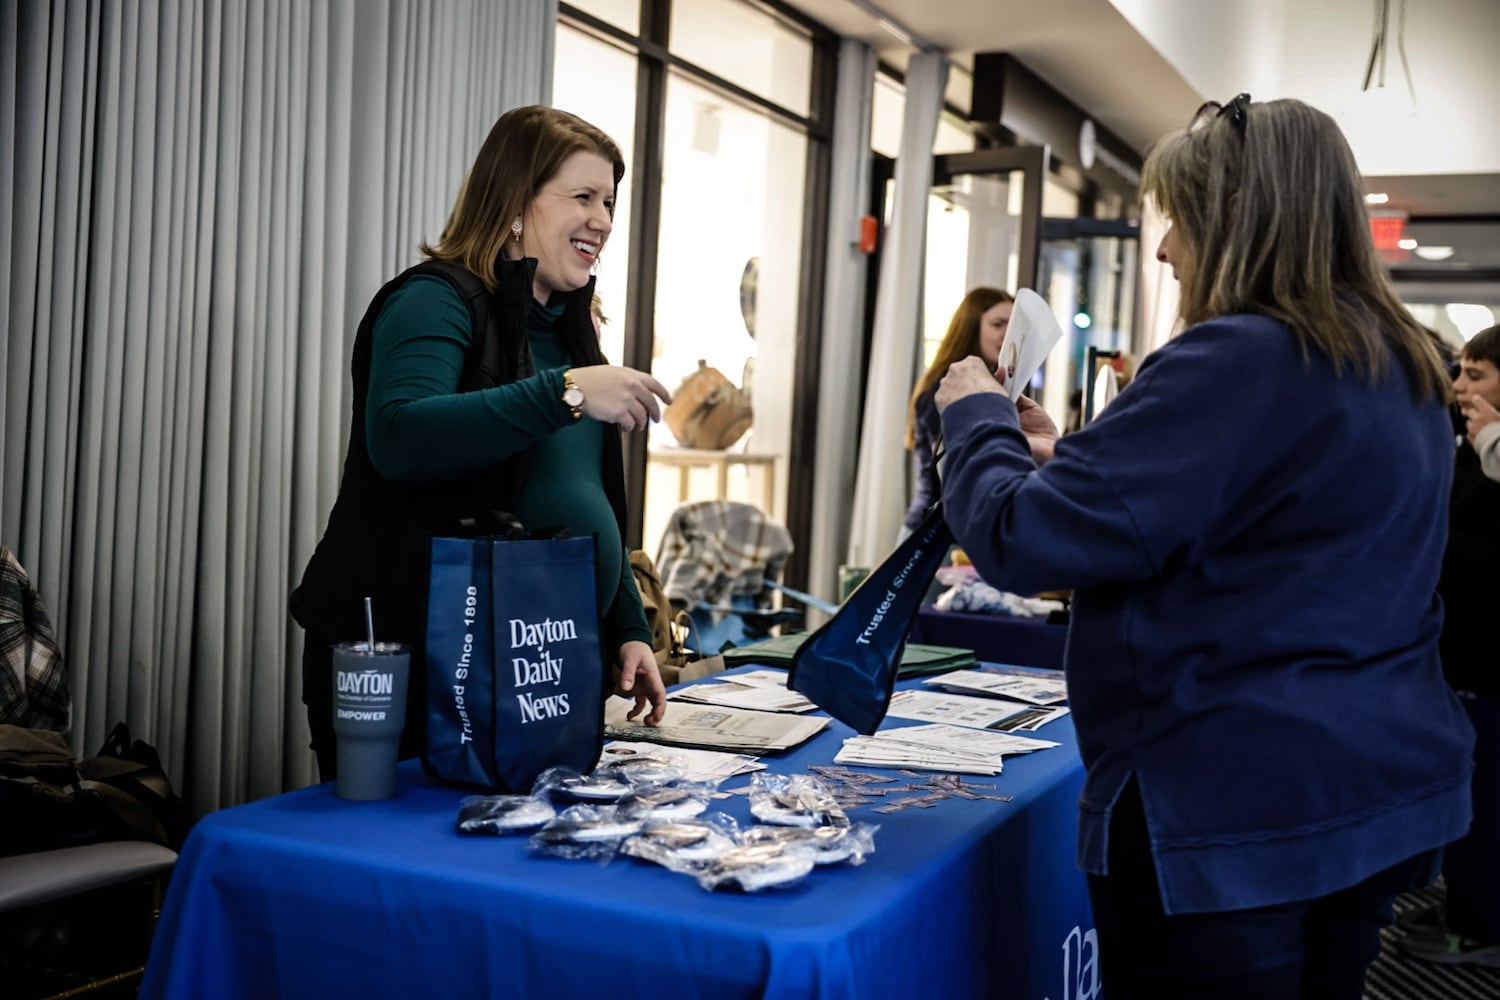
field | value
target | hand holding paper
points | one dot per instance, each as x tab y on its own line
1030	337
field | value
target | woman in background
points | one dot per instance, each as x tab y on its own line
977	328
1253	532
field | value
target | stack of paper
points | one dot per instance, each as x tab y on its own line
937	748
976	713
761	690
713	727
1003	682
695	765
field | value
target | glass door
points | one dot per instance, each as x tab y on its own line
983	227
1087	273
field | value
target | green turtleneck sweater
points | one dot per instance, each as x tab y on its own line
418	427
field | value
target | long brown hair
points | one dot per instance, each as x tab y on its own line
523	151
961	340
1269	203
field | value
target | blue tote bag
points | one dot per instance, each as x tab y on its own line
848	666
515	666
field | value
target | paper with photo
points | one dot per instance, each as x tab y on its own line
713	726
976	713
695	765
1017	685
758	697
1029	337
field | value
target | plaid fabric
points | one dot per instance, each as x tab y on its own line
33	686
715	549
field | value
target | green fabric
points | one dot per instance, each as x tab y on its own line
917	660
419	428
413	415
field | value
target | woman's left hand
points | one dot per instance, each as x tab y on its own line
966	377
640	679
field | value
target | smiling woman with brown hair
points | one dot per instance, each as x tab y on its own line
453	421
1252	531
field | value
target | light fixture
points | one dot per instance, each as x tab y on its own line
1377	198
1407	243
1378	47
1434	253
1082	320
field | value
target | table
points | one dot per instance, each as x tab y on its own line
687	459
305	895
1027	642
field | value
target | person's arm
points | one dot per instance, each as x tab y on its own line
1143	484
417	424
1483	429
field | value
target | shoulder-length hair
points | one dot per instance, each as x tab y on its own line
961	340
1269	204
523	151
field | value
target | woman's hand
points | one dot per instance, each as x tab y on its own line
1038	427
613	394
1480	415
640	679
966	377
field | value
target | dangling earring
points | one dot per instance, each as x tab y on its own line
515	230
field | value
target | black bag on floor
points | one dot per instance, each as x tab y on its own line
49	798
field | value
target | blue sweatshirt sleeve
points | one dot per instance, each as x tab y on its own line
1147	483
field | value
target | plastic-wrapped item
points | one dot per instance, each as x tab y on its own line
684	846
794	800
665	803
825	845
639	772
496	815
755	867
564	784
585	831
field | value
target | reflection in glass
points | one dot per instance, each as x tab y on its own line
766	56
732	193
596	82
624	14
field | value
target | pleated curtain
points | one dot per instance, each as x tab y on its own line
203	196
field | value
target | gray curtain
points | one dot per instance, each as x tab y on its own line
203	196
880	484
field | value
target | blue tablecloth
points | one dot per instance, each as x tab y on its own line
306	895
997	638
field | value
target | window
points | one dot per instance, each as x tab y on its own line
596	81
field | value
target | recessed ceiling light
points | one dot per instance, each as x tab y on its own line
1407	243
1377	198
1434	253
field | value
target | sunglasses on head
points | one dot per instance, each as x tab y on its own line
1237	111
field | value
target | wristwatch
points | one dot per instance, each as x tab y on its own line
572	396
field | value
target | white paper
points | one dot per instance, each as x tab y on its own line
695	765
975	713
712	726
1029	337
757	697
1017	685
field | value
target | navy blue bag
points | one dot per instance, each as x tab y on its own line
848	666
515	666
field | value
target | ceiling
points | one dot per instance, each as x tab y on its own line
1088	50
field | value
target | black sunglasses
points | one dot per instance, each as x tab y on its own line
1238	111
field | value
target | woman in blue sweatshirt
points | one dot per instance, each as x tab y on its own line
1253	531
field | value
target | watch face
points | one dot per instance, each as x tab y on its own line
573	396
